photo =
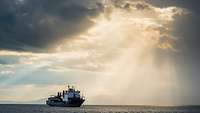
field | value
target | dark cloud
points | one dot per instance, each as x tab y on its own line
188	63
128	4
188	44
34	25
192	5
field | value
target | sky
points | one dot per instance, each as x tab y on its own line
129	52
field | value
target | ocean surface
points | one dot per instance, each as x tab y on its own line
17	108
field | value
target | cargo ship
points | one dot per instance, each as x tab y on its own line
67	98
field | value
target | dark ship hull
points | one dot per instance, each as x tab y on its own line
70	103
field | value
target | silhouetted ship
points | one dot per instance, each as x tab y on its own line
68	98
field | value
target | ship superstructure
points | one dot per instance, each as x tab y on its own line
67	98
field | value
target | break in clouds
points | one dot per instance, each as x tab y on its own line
113	49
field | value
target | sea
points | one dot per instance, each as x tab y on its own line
28	108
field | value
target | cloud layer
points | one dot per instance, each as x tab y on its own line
120	46
28	25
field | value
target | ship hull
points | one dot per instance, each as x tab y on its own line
70	103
